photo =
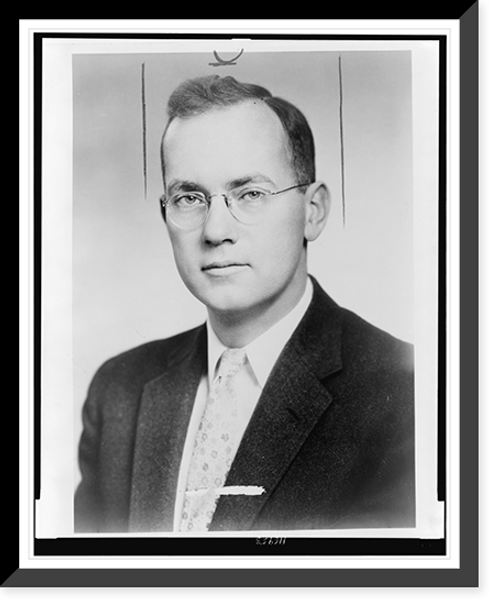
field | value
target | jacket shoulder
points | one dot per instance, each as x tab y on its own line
138	365
372	346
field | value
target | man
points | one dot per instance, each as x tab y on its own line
313	425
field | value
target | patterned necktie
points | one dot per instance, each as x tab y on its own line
214	449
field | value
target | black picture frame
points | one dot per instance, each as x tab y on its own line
465	576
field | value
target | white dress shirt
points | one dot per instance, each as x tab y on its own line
262	354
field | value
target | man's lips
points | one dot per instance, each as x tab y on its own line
224	268
222	265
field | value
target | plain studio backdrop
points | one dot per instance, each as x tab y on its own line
125	289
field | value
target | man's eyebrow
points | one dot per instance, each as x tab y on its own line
183	186
253	178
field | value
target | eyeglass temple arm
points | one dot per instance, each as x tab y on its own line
278	192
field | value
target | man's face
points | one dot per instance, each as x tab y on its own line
238	269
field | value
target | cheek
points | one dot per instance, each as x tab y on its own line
184	253
287	237
279	252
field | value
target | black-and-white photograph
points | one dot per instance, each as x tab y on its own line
243	305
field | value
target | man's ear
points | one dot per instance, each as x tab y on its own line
317	210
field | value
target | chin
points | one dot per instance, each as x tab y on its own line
228	306
230	300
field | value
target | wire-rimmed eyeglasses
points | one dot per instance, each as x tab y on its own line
247	205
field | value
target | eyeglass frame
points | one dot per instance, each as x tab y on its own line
206	201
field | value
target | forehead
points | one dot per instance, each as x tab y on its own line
242	139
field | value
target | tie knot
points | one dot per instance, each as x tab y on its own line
231	361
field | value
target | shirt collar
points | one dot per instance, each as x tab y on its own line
263	352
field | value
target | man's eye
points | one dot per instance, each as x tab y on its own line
251	196
188	200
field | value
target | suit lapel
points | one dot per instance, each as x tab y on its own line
291	403
163	420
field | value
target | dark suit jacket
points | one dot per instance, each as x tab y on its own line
331	439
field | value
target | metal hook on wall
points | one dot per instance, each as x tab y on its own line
223	62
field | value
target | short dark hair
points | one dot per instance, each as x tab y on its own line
199	95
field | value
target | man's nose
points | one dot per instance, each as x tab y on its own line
220	225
